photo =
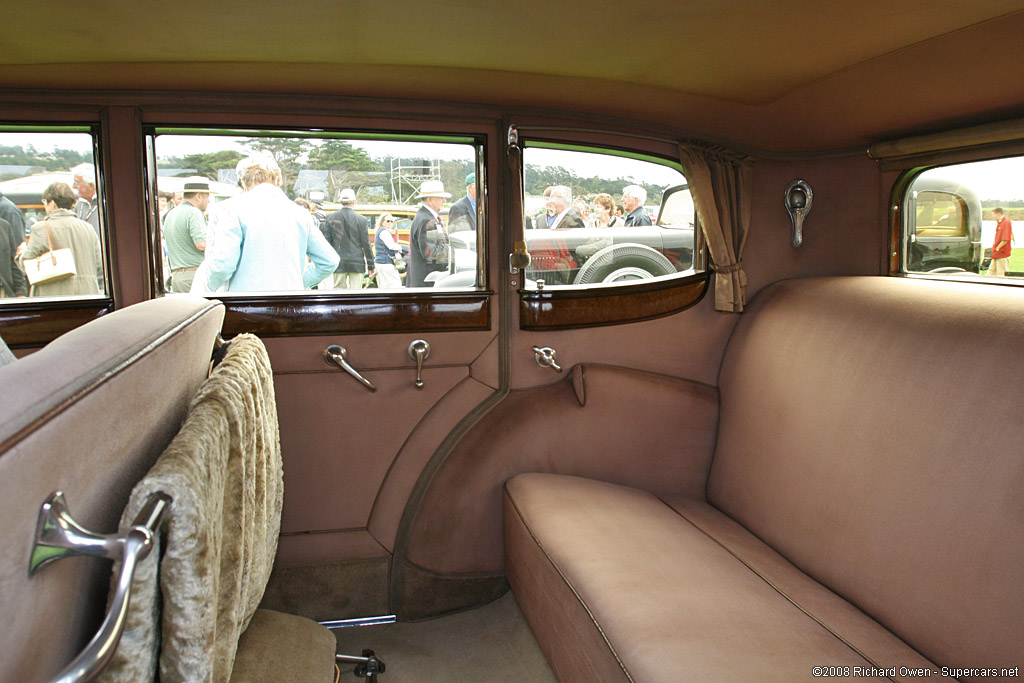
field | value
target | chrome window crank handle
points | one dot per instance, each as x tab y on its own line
337	355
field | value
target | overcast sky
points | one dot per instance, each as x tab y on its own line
999	179
181	145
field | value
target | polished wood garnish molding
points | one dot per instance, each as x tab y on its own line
25	325
614	305
354	314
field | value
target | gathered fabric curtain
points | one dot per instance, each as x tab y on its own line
721	183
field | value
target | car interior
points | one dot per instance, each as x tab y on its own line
681	343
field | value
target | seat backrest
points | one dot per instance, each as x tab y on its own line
871	432
88	414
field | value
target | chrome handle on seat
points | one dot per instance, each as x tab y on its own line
418	351
58	535
337	355
545	357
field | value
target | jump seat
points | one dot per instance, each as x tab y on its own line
864	511
89	414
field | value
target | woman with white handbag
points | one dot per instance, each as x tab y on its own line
63	253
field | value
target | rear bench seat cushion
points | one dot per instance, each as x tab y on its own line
617	585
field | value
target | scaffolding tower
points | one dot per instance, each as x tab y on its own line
408	174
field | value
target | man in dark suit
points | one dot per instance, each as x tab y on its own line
462	215
428	240
560	201
347	232
553	261
12	280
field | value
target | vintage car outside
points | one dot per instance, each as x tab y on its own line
583	256
944	227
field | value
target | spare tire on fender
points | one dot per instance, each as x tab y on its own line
623	262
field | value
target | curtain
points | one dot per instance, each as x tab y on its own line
721	184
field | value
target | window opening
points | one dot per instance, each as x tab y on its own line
318	211
960	220
52	222
597	216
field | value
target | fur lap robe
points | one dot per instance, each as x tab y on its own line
223	471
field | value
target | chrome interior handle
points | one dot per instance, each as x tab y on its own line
545	357
337	355
418	351
58	535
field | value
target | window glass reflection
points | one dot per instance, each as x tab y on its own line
594	218
270	213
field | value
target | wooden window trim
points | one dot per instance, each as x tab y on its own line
560	309
311	314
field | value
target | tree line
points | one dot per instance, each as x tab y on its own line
537	179
347	166
40	162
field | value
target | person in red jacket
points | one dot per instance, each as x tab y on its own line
1001	247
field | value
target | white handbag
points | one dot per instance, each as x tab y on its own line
54	265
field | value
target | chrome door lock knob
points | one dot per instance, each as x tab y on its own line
545	357
418	351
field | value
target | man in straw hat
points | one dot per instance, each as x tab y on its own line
185	234
278	237
427	237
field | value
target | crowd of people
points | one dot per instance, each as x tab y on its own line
262	241
562	212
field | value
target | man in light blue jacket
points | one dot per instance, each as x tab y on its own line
263	239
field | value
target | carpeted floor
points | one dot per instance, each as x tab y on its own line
491	644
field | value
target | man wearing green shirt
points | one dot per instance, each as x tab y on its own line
185	234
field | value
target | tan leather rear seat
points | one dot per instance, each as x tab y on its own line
849	523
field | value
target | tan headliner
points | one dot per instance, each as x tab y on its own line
715	66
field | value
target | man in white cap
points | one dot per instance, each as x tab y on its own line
348	233
83	178
633	198
185	234
427	238
264	239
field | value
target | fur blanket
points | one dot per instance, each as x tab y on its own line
224	473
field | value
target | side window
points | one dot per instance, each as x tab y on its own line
959	220
52	233
593	218
268	211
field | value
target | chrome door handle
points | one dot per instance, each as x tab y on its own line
418	351
337	355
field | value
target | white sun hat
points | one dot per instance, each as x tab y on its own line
347	195
432	188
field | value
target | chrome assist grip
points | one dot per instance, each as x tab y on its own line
337	355
418	351
58	535
545	357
